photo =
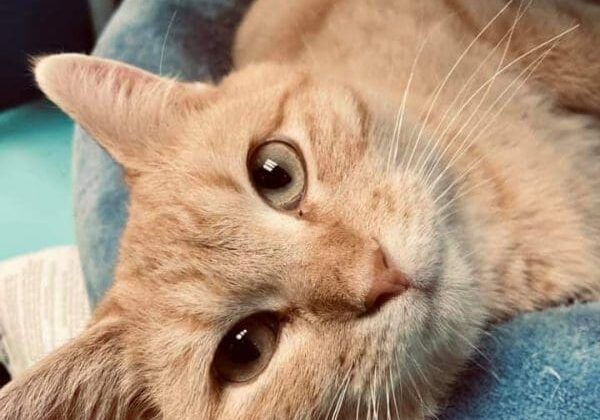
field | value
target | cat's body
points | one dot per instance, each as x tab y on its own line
437	191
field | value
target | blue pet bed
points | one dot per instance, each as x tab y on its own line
540	365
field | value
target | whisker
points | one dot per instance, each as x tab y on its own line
340	403
496	340
387	399
397	364
414	148
164	45
459	178
334	399
489	84
459	196
469	142
374	396
533	66
337	395
455	66
401	111
491	370
543	44
456	135
425	350
402	108
415	387
393	390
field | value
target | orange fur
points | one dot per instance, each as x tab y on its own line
486	196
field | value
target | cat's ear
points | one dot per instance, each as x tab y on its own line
86	378
132	113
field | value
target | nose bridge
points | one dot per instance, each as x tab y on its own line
350	273
363	201
348	268
338	262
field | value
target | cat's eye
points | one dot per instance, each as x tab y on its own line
278	173
247	348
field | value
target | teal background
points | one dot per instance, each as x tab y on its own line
35	179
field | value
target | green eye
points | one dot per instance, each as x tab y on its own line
247	348
277	172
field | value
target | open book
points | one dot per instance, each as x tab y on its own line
43	303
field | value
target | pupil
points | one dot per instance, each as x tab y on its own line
242	350
271	176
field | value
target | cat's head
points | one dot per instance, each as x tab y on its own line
277	261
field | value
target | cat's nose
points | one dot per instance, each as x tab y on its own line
387	282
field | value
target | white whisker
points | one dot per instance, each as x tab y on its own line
488	84
394	145
468	142
456	333
534	63
454	199
398	133
337	395
387	399
340	402
415	386
397	411
455	66
164	45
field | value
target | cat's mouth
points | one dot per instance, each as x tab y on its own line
391	355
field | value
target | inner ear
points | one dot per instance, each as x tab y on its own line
127	110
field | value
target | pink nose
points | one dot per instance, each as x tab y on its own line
387	283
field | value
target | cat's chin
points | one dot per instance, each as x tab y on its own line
416	343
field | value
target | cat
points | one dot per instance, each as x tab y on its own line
327	232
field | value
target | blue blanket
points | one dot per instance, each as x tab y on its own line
540	365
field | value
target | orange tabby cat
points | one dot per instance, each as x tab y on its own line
337	221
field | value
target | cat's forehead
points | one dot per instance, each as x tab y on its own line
333	125
328	122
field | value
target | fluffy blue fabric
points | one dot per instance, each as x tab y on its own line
540	365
